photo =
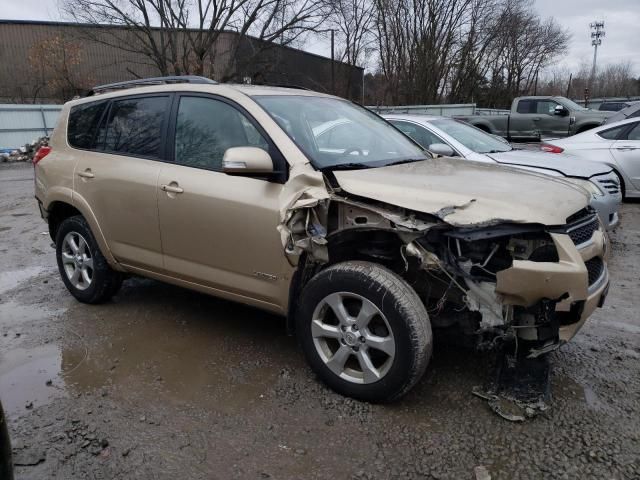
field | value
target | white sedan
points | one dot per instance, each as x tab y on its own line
449	137
616	144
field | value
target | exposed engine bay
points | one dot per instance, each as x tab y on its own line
495	283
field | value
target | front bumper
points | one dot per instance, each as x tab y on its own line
594	300
572	284
607	207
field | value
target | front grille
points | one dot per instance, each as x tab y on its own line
580	215
595	266
609	183
582	231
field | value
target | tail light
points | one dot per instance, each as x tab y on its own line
41	153
547	147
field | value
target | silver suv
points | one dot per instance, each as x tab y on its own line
360	238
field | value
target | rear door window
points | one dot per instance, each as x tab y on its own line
526	106
83	124
135	126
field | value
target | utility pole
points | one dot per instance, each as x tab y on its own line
333	63
597	32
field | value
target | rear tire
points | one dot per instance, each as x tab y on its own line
84	270
364	331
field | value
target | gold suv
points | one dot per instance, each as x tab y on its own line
312	207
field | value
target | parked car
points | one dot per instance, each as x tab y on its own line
534	118
6	465
615	106
227	189
616	144
454	138
632	111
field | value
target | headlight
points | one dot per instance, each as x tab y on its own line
590	187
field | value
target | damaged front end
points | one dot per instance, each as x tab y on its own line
529	285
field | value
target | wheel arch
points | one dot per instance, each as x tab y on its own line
61	209
343	247
588	126
483	126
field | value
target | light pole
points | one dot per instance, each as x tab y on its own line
597	32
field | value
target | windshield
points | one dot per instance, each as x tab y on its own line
335	133
471	137
571	105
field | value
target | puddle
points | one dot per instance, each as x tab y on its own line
10	280
567	387
24	374
186	347
14	316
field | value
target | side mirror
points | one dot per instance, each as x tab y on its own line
246	160
441	149
560	111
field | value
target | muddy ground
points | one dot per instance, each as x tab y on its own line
166	383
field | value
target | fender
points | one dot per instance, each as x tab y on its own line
56	194
83	207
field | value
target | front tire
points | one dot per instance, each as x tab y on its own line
84	270
364	331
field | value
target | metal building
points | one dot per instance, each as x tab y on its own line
87	57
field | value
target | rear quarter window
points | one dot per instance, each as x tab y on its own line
83	124
612	133
135	126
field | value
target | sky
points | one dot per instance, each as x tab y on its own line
621	17
621	22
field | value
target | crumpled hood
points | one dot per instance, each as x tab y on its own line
564	164
465	193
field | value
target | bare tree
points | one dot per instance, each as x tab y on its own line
54	68
612	80
486	51
183	36
353	22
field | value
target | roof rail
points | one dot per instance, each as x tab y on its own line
143	82
283	85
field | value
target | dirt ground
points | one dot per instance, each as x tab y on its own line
166	383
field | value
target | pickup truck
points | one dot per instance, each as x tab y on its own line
537	117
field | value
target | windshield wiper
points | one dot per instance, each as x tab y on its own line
406	160
346	166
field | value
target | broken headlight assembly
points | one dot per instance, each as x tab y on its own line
482	253
471	260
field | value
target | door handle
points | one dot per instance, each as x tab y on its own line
626	148
536	119
86	174
171	188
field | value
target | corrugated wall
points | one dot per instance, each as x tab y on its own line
22	124
103	63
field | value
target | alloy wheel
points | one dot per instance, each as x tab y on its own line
353	337
77	260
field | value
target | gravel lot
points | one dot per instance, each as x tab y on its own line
167	383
